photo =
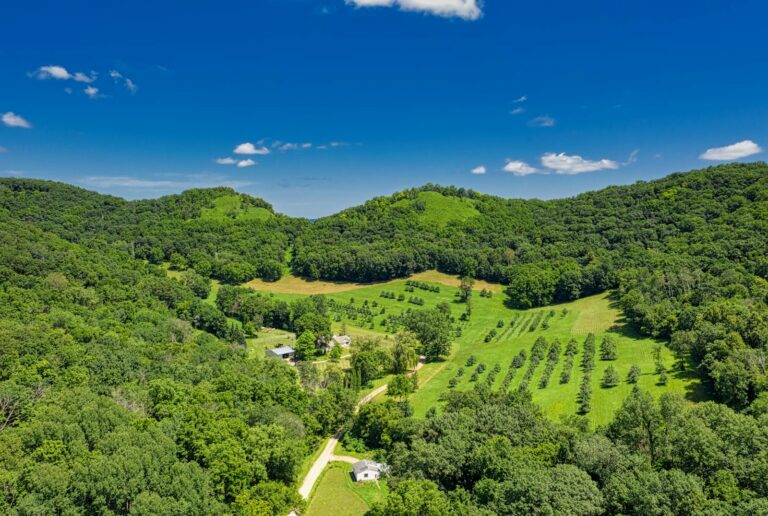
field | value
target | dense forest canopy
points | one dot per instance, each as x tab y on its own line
123	391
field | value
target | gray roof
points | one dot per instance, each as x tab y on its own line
367	465
282	350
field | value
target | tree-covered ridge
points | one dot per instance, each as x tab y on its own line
116	398
191	229
687	254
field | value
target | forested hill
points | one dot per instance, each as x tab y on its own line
687	254
126	391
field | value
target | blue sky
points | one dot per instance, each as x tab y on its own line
343	100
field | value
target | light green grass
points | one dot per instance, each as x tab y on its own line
340	449
269	338
336	493
596	314
232	207
439	209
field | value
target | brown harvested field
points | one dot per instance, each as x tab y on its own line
292	285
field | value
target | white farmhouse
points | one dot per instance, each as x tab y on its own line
365	470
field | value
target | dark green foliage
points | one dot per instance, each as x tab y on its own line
111	400
588	358
610	377
608	348
433	329
634	374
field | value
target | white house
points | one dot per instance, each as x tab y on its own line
343	341
365	470
283	352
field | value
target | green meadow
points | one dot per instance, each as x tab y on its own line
336	493
232	207
364	311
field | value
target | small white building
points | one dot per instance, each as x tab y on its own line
341	340
283	352
365	470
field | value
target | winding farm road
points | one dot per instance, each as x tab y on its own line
327	454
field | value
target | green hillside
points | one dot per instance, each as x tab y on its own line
434	209
234	207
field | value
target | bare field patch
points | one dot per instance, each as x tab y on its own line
290	284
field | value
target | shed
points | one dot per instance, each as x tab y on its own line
283	352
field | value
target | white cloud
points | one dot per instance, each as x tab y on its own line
249	148
11	119
466	9
52	72
166	185
542	121
128	83
81	77
478	170
92	92
517	111
564	164
520	100
730	152
131	86
62	74
245	163
339	144
226	161
519	168
632	157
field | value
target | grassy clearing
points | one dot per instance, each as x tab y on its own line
596	314
269	338
290	284
337	494
231	207
439	210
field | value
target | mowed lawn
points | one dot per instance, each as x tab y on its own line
576	320
596	314
337	494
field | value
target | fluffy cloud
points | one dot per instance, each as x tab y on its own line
542	121
11	119
466	9
226	161
520	100
245	163
729	152
517	111
562	163
519	168
478	170
250	149
62	74
92	92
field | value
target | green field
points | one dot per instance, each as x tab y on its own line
232	207
337	494
439	210
360	308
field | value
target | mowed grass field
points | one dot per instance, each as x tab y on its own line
231	207
336	493
596	314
